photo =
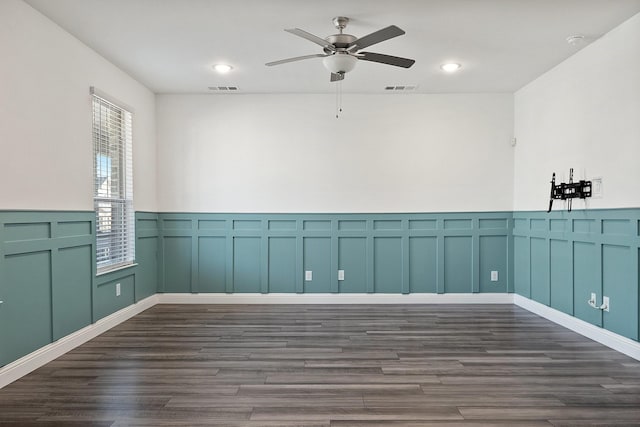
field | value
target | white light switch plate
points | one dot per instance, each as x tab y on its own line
494	276
308	275
596	188
340	274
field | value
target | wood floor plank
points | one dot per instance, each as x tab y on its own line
331	365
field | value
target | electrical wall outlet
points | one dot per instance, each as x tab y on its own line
494	276
605	304
592	300
340	274
308	275
117	289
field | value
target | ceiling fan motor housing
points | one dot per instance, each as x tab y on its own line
340	41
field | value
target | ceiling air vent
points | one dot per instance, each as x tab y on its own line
224	88
401	88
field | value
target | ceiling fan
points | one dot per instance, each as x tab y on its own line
341	51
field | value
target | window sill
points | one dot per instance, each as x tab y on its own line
114	269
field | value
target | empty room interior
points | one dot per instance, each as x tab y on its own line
319	213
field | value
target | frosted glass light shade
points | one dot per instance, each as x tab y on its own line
340	63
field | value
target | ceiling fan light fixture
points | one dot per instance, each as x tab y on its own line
340	63
222	68
450	67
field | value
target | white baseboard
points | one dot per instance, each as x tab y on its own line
335	298
612	340
32	361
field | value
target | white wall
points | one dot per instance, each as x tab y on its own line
585	114
288	153
45	116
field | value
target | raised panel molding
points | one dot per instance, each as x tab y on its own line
48	281
380	253
579	253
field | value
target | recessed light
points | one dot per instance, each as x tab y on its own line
222	68
575	40
450	67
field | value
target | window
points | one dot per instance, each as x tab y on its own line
113	185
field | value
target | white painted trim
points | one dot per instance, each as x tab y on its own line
612	340
32	361
335	298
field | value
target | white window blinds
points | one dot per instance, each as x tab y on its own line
113	185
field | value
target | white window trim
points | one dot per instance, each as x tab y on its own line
120	212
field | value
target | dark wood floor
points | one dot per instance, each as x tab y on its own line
320	365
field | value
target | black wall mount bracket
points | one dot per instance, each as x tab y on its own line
568	191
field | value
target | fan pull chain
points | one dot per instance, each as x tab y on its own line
338	98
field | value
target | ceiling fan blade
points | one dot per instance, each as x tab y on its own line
376	37
386	59
315	39
297	58
336	77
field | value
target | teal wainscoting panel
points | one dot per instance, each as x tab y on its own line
387	262
385	253
493	257
71	297
177	264
317	259
560	272
386	224
352	225
585	281
559	225
147	250
282	264
352	256
244	224
458	224
622	290
48	281
539	224
585	226
246	264
496	223
423	224
522	266
423	264
579	253
218	224
21	232
458	264
46	278
617	226
74	228
316	225
25	315
147	271
540	289
107	302
282	224
176	224
212	270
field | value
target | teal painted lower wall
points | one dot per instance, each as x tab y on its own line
562	257
47	277
379	253
49	287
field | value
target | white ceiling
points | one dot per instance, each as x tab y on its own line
170	45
